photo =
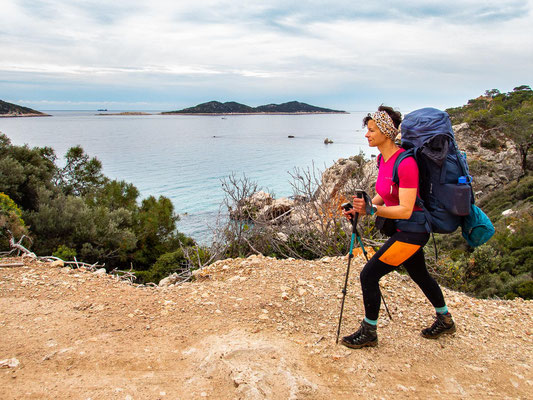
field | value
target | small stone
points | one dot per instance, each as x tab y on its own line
302	291
58	264
100	272
285	296
263	317
9	363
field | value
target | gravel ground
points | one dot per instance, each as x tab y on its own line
255	328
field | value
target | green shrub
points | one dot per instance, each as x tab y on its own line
10	219
177	261
491	143
65	253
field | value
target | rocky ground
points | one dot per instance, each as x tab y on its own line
255	328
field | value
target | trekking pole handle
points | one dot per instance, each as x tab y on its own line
359	195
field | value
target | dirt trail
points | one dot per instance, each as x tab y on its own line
255	328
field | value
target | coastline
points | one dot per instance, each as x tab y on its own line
15	115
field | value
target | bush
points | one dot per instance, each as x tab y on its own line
10	219
65	253
502	267
181	260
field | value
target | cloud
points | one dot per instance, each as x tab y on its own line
290	48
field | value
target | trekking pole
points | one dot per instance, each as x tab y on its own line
355	236
366	257
347	207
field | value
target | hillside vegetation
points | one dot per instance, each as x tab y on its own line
502	267
76	212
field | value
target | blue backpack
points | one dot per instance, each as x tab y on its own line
446	196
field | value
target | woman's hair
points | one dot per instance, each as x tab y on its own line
396	116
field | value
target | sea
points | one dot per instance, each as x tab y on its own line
187	158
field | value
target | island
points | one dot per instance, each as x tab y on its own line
232	107
14	110
127	113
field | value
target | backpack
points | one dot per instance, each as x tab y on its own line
446	195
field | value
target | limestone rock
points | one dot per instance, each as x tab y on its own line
277	208
249	207
169	280
58	264
9	363
491	168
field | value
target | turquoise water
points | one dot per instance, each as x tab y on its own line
185	157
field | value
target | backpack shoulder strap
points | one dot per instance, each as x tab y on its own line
378	159
408	153
396	179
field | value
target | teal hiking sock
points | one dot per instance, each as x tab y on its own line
371	321
442	310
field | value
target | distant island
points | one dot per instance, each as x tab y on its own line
231	107
126	113
14	110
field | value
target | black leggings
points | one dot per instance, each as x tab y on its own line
402	248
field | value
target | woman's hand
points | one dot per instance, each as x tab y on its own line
359	205
350	214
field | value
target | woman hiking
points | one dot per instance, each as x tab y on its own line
403	247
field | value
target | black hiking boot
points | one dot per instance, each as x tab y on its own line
365	336
443	324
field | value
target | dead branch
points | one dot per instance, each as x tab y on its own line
6	265
18	246
252	247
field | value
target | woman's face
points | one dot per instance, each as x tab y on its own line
374	135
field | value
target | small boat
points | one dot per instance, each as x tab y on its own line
102	109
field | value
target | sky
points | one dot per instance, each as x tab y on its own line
350	55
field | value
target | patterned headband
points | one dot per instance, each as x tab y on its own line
385	124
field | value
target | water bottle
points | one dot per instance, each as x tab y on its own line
462	196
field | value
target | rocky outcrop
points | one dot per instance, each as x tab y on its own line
348	174
493	167
262	206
